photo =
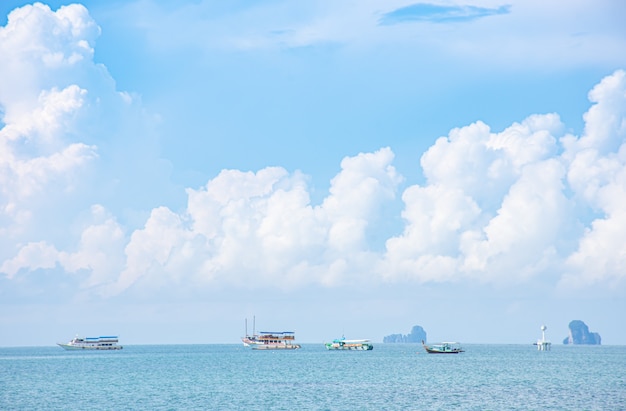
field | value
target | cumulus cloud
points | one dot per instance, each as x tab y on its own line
32	153
512	205
254	229
492	201
505	207
41	158
63	127
528	203
597	173
31	256
99	251
38	46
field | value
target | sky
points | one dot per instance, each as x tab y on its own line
169	169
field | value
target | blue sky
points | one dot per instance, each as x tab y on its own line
168	169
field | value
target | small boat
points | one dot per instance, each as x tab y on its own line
351	345
92	343
443	348
275	340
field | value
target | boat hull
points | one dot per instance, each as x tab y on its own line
275	346
442	352
362	347
71	347
249	340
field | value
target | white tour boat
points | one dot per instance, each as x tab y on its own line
275	340
92	343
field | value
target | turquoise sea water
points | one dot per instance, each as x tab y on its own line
391	377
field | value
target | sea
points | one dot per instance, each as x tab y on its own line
390	377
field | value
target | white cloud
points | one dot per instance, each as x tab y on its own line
497	207
513	205
39	111
32	256
68	138
98	255
33	150
100	250
520	240
605	122
244	229
150	249
597	174
492	205
523	204
427	250
38	46
601	255
253	223
254	229
36	157
365	182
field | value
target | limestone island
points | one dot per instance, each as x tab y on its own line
417	335
579	334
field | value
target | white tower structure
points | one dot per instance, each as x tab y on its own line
543	344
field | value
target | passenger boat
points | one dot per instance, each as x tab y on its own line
92	343
352	345
443	348
275	340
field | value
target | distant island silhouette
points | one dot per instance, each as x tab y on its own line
416	335
579	334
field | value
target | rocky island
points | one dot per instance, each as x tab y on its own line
416	335
579	334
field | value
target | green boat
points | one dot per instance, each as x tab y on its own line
351	345
443	348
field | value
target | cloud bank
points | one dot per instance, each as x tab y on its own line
561	36
529	203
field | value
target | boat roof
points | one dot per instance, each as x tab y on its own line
103	336
277	332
